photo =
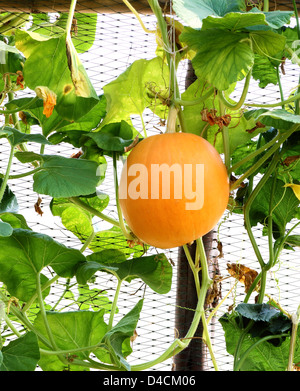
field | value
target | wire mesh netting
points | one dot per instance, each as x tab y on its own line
119	41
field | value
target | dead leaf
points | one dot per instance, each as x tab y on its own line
37	207
242	273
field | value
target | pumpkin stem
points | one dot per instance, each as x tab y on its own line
171	122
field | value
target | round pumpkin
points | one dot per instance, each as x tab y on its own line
173	189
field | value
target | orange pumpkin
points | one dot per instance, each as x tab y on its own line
173	189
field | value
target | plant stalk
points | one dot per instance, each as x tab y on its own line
6	176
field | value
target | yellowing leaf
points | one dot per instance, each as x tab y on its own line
295	188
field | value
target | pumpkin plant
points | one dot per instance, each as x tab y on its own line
246	153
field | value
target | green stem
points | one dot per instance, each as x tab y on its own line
88	241
26	106
295	322
120	215
203	98
25	321
280	247
254	154
171	122
266	6
280	85
239	104
297	106
6	176
34	297
206	336
24	174
225	137
270	224
72	351
11	326
95	212
247	208
270	105
70	17
114	305
297	17
179	344
266	156
43	311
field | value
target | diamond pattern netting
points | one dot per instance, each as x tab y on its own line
120	41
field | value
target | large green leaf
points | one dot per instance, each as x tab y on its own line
133	90
62	177
116	337
285	205
154	270
26	253
71	330
269	355
21	354
54	63
192	12
222	57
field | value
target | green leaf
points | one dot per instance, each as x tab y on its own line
85	31
113	137
5	229
258	312
26	253
62	177
65	76
193	12
94	299
265	71
21	354
55	122
131	92
285	205
15	137
238	134
122	331
71	330
278	118
268	43
270	355
222	57
234	21
275	19
9	202
15	220
293	240
76	219
154	270
114	238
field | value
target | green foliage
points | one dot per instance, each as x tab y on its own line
21	354
260	143
266	345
